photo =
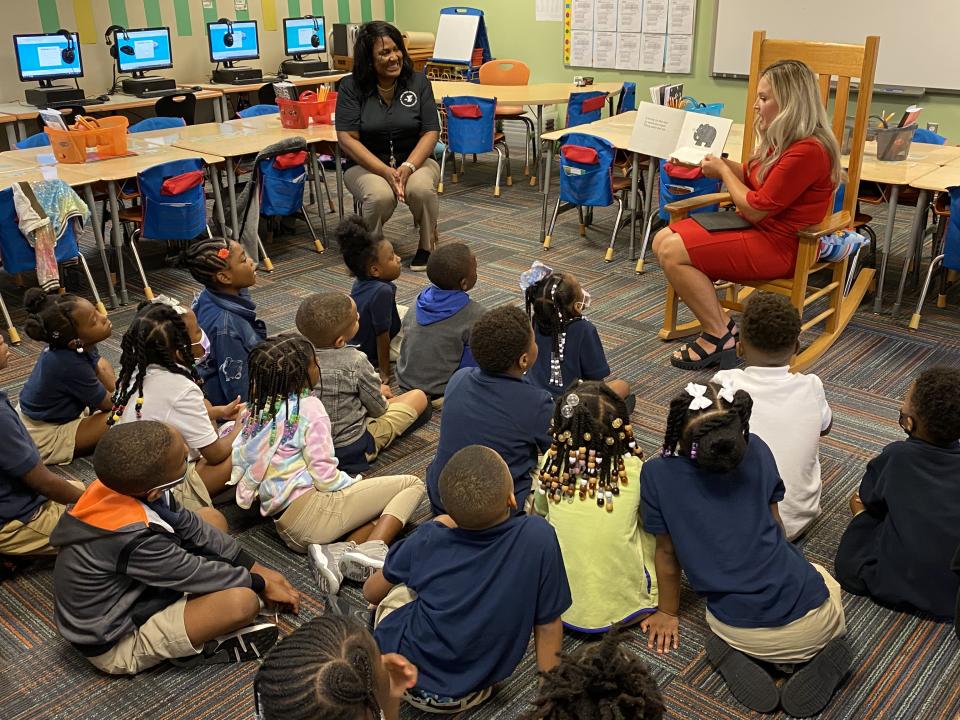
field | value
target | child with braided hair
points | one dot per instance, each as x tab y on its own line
569	345
600	681
65	402
158	373
711	500
331	668
593	466
284	459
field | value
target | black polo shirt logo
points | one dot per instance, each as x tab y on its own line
408	98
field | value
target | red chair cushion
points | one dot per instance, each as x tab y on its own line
580	154
466	111
181	183
290	159
594	103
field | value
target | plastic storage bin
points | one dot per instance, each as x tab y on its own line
107	135
297	114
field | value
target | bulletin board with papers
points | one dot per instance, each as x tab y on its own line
640	35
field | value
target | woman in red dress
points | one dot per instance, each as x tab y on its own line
787	185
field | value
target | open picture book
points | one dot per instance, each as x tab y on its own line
669	133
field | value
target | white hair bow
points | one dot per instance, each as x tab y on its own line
170	302
698	392
726	390
537	272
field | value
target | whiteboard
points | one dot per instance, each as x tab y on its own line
456	37
918	40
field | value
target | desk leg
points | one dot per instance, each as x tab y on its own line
887	242
232	194
217	198
21	131
545	188
339	165
922	199
218	110
224	107
11	136
321	208
539	144
101	248
117	234
634	182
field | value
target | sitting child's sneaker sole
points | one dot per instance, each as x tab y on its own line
809	690
447	706
248	643
358	567
749	683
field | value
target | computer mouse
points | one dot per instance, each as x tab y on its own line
196	87
103	97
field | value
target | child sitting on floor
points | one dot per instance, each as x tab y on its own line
595	458
906	527
32	498
157	368
494	405
436	335
226	314
284	459
790	411
65	402
711	500
460	596
371	259
364	415
140	580
569	345
331	668
599	681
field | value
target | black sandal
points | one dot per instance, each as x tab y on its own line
725	358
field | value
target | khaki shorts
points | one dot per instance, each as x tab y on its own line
794	642
389	426
192	494
56	443
397	340
33	536
160	638
398	596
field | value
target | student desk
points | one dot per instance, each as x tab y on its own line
225	91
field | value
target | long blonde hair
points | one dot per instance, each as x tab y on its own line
802	115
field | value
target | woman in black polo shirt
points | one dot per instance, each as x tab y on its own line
387	124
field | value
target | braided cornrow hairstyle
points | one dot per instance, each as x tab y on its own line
591	433
51	317
548	303
324	669
716	437
279	369
205	258
157	336
601	681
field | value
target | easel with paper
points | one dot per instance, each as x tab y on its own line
461	45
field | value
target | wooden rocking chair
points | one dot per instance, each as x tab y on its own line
828	61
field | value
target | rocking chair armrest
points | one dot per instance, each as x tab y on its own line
834	223
681	208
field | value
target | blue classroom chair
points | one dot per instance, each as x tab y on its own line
40	139
471	129
585	107
256	110
157	123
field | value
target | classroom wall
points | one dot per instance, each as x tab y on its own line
514	33
187	21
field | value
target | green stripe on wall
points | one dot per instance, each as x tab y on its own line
343	10
151	8
388	10
210	14
316	8
118	12
49	18
182	10
243	14
366	11
293	8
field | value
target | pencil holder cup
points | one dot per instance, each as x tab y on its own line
894	143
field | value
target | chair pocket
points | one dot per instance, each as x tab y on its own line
281	196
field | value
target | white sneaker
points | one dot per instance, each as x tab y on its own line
325	563
364	560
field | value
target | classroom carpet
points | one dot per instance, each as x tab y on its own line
905	666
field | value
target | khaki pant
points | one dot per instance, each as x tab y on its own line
322	517
160	638
379	201
56	443
794	642
389	426
33	536
192	494
398	596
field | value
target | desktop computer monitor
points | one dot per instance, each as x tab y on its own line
230	41
47	57
150	50
304	36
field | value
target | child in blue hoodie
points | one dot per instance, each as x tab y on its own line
226	315
437	335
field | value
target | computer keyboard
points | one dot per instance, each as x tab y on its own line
73	103
320	73
163	93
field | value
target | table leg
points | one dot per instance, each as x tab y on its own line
922	199
539	144
887	242
321	208
224	107
21	131
117	234
232	194
634	181
217	198
218	110
339	166
101	248
11	136
545	188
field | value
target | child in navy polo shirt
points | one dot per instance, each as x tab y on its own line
494	405
32	498
711	500
569	345
70	383
460	596
227	316
372	260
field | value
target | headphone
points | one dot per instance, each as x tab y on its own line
315	38
69	53
228	36
126	49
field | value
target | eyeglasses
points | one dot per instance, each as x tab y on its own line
169	485
585	303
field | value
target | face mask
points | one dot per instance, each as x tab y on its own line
204	342
583	304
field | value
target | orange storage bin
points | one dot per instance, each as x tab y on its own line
107	135
297	114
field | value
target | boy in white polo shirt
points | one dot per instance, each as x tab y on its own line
790	412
